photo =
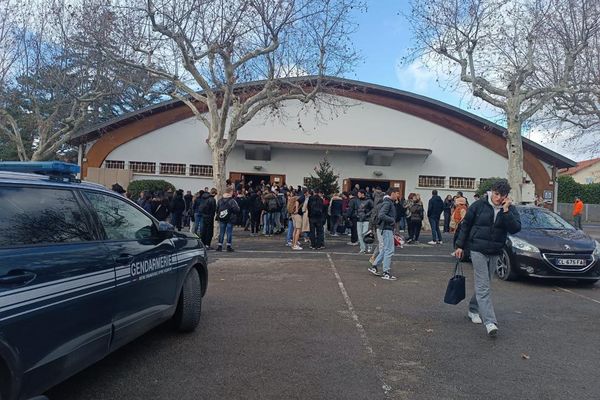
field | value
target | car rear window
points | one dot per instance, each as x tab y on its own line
535	218
40	215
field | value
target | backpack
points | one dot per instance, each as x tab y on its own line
224	211
316	207
272	205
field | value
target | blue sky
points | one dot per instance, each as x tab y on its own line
383	37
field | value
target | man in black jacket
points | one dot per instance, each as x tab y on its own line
484	231
386	219
352	215
316	213
434	212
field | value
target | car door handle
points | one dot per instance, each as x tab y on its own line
17	277
124	259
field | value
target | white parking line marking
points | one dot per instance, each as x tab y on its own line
340	253
359	326
578	295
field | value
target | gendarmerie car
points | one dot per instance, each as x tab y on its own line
83	271
549	247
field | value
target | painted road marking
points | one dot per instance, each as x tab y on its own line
448	257
359	326
578	295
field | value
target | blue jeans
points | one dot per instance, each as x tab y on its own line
362	228
199	223
225	227
290	231
277	221
387	252
268	228
435	229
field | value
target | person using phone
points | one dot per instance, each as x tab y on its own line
484	230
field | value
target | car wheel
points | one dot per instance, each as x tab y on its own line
504	268
189	306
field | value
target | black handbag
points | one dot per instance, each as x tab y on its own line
455	292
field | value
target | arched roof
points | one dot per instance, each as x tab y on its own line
429	109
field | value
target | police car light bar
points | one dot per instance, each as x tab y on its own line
50	168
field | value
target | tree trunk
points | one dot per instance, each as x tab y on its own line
514	145
219	159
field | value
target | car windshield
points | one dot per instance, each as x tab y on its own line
535	218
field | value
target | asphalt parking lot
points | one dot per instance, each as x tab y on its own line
279	324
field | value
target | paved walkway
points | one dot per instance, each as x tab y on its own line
279	324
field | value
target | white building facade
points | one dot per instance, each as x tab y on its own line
373	136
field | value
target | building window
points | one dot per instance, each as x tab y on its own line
201	170
432	181
172	169
114	164
306	181
142	167
462	183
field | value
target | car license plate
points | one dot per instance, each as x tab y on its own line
571	261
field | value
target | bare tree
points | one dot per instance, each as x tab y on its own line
50	87
574	115
516	55
209	49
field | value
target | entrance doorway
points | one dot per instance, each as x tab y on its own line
384	184
271	179
363	183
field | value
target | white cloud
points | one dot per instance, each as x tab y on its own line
415	77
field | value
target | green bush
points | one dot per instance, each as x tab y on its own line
486	185
148	185
568	189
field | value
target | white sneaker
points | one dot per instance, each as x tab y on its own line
440	242
289	244
431	242
475	318
492	329
296	247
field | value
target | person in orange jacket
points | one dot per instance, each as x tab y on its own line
577	211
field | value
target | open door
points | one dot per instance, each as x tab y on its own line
278	180
235	177
400	185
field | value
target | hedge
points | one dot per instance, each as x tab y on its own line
568	189
486	186
148	185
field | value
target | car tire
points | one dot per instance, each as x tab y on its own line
504	268
189	305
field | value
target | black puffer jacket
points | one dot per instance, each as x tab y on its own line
386	216
365	206
479	232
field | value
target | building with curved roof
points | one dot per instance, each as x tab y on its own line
374	135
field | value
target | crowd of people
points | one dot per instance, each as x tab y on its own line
301	215
363	214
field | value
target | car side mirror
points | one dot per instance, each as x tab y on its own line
165	230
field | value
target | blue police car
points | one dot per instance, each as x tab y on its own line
83	271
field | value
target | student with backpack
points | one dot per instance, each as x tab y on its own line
208	217
255	206
316	213
272	207
227	211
